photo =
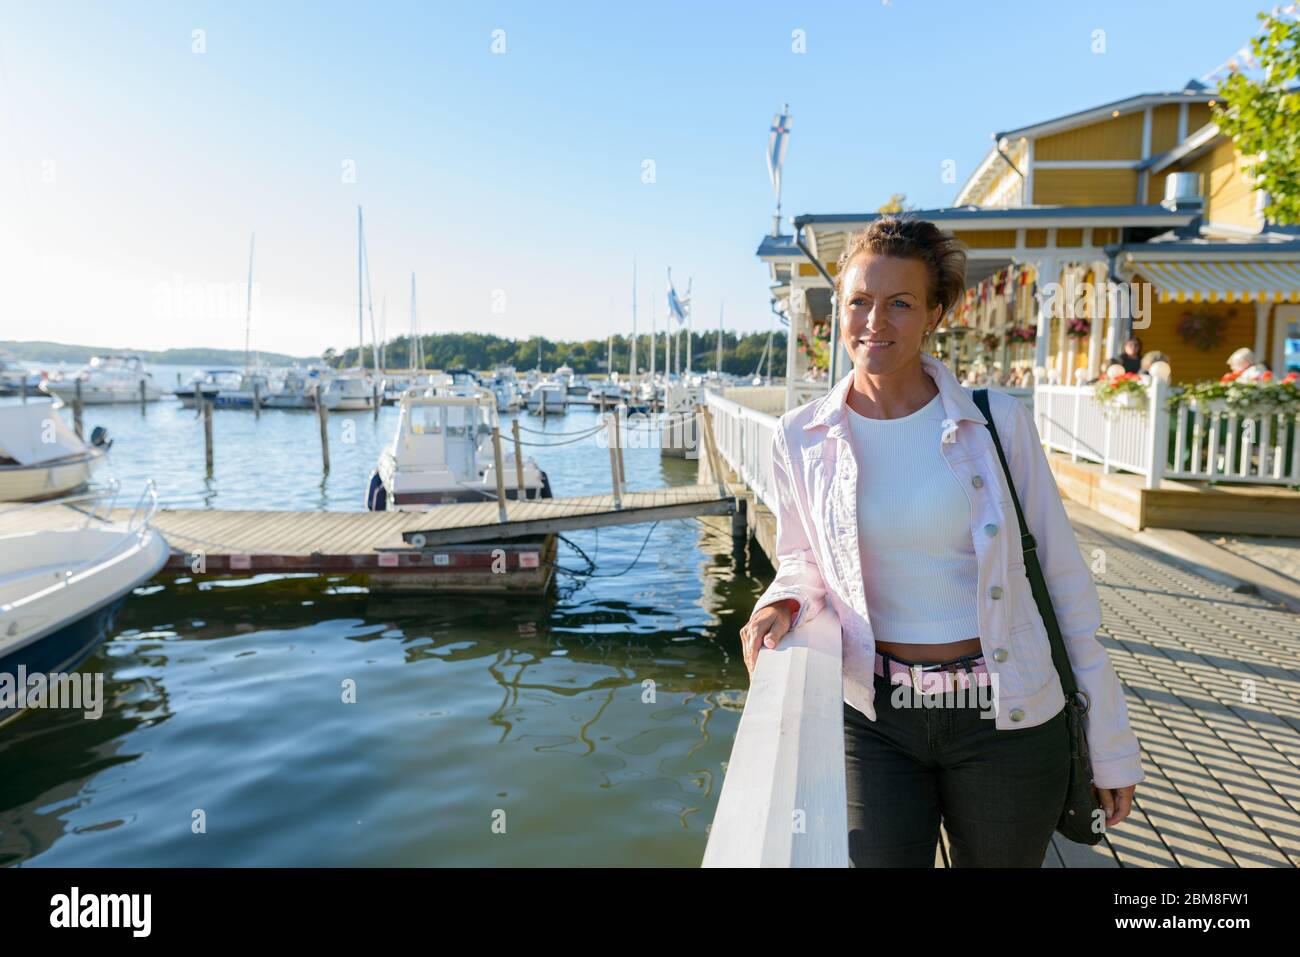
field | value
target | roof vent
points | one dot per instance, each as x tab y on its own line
1183	193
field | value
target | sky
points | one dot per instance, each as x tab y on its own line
516	157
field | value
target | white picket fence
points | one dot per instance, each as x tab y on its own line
1192	442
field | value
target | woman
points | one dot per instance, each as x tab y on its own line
893	508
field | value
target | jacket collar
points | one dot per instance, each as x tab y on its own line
956	399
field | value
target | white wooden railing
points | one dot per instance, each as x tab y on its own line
744	439
1192	442
783	801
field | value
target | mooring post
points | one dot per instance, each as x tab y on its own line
257	399
375	397
611	433
520	492
620	431
322	415
23	388
207	432
501	478
76	409
144	402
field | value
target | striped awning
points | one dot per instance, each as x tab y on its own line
1226	280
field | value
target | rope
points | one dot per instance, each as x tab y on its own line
524	428
575	573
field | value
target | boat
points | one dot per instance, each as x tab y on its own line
505	386
105	380
443	453
14	376
226	389
296	389
550	395
348	392
60	591
40	457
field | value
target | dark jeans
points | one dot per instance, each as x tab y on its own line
999	793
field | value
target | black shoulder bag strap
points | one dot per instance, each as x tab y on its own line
1033	571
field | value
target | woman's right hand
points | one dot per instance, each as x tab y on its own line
765	628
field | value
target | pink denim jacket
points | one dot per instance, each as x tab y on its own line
815	480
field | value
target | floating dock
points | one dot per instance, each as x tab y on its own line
455	547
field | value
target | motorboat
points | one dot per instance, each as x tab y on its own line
550	395
505	386
105	380
14	376
296	389
348	392
60	591
443	453
40	457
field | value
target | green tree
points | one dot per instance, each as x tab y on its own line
1263	115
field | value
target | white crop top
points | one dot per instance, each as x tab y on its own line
919	569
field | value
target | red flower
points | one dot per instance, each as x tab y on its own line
1230	376
1291	377
1265	376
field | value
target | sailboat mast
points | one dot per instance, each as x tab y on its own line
248	314
361	333
631	371
654	345
411	346
721	306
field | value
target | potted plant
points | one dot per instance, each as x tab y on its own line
1126	390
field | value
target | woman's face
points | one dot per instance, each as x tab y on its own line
884	312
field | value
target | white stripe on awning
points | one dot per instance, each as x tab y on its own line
1231	281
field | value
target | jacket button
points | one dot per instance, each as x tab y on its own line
995	591
990	529
977	481
999	654
1017	714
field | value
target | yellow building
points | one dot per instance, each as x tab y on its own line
1134	217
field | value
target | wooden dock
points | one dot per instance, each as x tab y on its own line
465	547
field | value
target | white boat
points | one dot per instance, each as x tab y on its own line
40	457
225	388
554	393
296	389
442	453
60	591
105	380
348	392
505	386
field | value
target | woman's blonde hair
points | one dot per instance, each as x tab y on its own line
942	254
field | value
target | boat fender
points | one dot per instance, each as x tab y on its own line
546	485
99	438
376	494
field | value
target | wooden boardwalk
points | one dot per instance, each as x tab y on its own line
460	539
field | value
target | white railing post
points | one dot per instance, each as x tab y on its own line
1158	437
784	801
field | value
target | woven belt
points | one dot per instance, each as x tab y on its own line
937	678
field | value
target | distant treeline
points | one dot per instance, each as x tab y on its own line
60	352
472	350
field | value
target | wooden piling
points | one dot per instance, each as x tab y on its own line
322	415
76	410
611	432
207	433
375	398
620	433
520	492
144	401
257	400
501	478
23	388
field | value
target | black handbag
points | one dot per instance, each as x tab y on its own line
1081	811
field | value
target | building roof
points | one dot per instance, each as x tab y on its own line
778	246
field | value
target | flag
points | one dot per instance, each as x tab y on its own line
777	140
676	305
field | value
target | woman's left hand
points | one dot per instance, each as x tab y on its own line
1116	802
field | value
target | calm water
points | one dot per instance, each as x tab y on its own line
591	726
